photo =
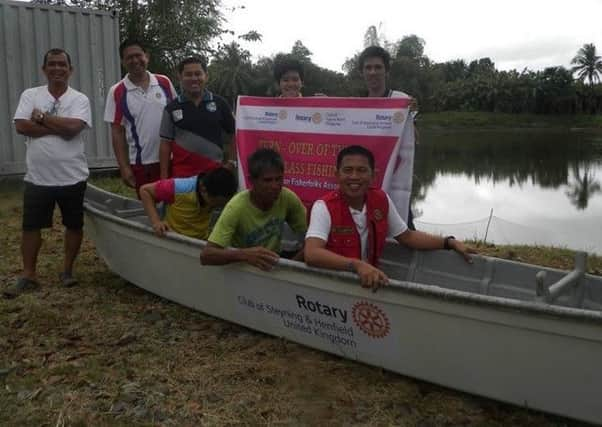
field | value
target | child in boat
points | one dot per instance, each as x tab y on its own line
192	202
348	227
253	220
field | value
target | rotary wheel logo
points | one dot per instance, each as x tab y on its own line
398	117
316	118
370	319
282	114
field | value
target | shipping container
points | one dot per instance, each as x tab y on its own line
90	37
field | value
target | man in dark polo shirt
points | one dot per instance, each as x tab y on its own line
193	124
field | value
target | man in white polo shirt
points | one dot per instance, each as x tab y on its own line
374	64
134	109
52	117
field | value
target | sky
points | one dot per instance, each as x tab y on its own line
514	33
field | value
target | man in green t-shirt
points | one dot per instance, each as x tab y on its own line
253	220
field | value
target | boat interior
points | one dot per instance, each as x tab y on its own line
445	269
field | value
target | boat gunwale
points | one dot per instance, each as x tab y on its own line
415	288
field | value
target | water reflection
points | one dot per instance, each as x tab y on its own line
546	181
582	186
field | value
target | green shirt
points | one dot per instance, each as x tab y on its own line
243	225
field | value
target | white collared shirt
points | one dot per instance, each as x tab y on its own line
320	223
51	159
139	111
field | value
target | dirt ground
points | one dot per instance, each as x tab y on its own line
108	353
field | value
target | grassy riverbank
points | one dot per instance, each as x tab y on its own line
468	120
108	353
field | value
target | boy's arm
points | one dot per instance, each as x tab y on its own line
164	158
214	254
167	132
149	199
120	148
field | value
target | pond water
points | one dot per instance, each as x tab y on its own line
544	186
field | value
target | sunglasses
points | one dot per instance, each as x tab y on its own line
54	108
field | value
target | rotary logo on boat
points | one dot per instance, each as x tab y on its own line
316	118
282	115
370	319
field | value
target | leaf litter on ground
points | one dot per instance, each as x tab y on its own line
108	353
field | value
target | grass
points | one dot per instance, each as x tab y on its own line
561	258
479	119
114	185
108	353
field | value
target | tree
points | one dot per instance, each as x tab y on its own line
300	52
230	72
483	67
262	78
152	23
588	65
353	77
411	69
411	47
371	37
454	70
583	187
555	91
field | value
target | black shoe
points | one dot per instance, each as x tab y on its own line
67	280
22	286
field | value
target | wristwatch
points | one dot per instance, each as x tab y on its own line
40	118
446	240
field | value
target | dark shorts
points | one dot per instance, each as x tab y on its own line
145	174
39	202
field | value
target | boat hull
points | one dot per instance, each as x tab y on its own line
508	352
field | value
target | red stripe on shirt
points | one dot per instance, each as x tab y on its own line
166	84
165	190
120	92
185	164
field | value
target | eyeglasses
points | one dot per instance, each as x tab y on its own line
54	108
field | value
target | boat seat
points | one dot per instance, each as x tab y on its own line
124	208
487	278
571	282
449	270
128	213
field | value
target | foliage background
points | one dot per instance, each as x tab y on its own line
173	29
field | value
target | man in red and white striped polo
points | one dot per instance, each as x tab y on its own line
134	109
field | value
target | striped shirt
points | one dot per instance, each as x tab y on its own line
139	112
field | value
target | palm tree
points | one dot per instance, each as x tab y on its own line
588	65
583	187
371	37
230	72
